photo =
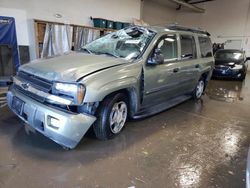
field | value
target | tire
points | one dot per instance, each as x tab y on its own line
111	116
199	89
243	77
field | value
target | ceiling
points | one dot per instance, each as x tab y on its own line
179	4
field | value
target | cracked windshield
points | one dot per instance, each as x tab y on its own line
128	43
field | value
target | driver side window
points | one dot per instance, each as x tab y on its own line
168	47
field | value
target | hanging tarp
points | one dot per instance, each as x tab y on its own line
57	40
8	37
84	36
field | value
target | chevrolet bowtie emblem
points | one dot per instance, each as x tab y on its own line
25	86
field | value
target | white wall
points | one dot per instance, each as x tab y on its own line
73	12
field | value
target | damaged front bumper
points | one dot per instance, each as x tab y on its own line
65	128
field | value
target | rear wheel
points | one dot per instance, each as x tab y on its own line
111	116
199	89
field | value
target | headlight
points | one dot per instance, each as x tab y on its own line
237	67
72	92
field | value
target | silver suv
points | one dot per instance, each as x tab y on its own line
131	73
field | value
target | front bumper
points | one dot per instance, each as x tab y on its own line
66	129
228	73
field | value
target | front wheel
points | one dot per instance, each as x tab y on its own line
242	78
111	116
199	89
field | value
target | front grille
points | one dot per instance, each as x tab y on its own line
36	82
221	67
29	94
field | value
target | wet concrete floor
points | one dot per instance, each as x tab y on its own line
195	144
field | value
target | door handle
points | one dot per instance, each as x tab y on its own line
176	70
197	66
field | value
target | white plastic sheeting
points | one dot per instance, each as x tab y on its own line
234	44
248	170
84	36
57	40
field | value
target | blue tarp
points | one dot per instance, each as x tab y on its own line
8	37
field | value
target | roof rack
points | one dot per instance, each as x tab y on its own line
183	28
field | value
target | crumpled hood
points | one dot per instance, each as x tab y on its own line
70	67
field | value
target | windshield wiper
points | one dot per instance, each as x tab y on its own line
86	50
109	54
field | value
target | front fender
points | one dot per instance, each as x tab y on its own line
99	93
103	83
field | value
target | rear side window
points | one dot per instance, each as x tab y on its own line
188	47
206	47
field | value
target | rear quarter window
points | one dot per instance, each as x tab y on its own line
188	47
205	47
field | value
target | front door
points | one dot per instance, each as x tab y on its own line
160	80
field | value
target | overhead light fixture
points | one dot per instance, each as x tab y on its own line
169	39
57	15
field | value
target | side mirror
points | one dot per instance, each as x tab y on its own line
157	58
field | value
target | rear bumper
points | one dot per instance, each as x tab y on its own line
64	128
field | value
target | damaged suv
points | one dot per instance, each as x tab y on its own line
131	73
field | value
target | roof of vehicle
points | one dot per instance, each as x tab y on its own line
174	27
230	50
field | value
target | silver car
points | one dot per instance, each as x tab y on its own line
131	73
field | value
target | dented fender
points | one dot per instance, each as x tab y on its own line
103	83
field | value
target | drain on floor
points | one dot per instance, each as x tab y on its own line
3	101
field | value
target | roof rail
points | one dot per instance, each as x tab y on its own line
183	28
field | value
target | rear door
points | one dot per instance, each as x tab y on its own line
189	64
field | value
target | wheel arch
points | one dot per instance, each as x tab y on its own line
205	76
132	96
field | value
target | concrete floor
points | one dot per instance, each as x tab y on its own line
196	144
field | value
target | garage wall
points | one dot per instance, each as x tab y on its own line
156	12
229	13
73	12
77	11
232	15
226	20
